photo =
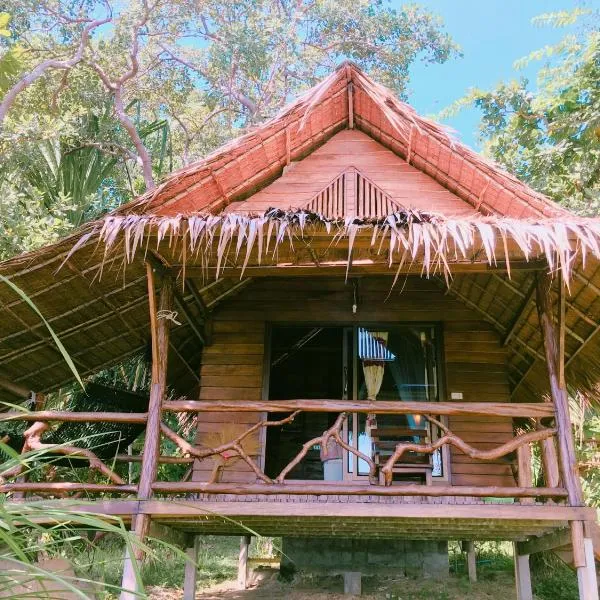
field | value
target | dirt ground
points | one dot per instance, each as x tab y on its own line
266	585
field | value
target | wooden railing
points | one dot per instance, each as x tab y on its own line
222	455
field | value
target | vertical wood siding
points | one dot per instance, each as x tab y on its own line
475	361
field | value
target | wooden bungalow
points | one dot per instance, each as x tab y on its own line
374	326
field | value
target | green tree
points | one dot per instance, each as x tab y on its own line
549	134
179	78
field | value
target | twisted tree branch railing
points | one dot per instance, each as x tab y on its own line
34	442
238	449
332	432
453	440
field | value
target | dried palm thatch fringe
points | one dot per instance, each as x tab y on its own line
429	239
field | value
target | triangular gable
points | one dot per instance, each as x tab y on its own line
352	175
346	99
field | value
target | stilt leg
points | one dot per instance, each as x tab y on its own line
129	583
191	571
583	559
243	562
522	576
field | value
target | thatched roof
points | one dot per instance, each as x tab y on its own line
205	222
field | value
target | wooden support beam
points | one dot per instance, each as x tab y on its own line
14	388
242	578
589	580
197	298
523	308
189	317
352	583
577	543
190	575
159	329
490	409
522	576
550	462
350	105
560	400
556	539
339	268
57	487
468	546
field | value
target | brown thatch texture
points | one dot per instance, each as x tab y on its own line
250	162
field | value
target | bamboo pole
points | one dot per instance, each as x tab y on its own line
64	487
74	417
159	329
325	489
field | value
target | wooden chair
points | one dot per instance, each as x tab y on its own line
385	439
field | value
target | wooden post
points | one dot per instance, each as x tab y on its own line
191	570
522	575
525	474
554	360
469	548
243	562
350	105
159	329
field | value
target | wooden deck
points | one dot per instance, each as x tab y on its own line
414	518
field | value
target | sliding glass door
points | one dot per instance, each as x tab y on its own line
372	363
397	363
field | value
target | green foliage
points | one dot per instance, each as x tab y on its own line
549	136
552	579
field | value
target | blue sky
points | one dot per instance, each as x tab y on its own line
492	35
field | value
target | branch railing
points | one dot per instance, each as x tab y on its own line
237	449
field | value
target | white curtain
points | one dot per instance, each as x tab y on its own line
374	371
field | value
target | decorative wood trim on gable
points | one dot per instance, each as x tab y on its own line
351	194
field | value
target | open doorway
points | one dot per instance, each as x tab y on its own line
307	363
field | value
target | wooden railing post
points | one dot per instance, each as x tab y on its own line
159	329
525	473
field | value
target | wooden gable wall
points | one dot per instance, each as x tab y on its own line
406	185
475	360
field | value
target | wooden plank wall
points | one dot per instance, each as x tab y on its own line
475	359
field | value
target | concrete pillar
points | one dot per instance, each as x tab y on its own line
586	575
522	576
352	583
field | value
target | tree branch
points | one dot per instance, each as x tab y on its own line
46	65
